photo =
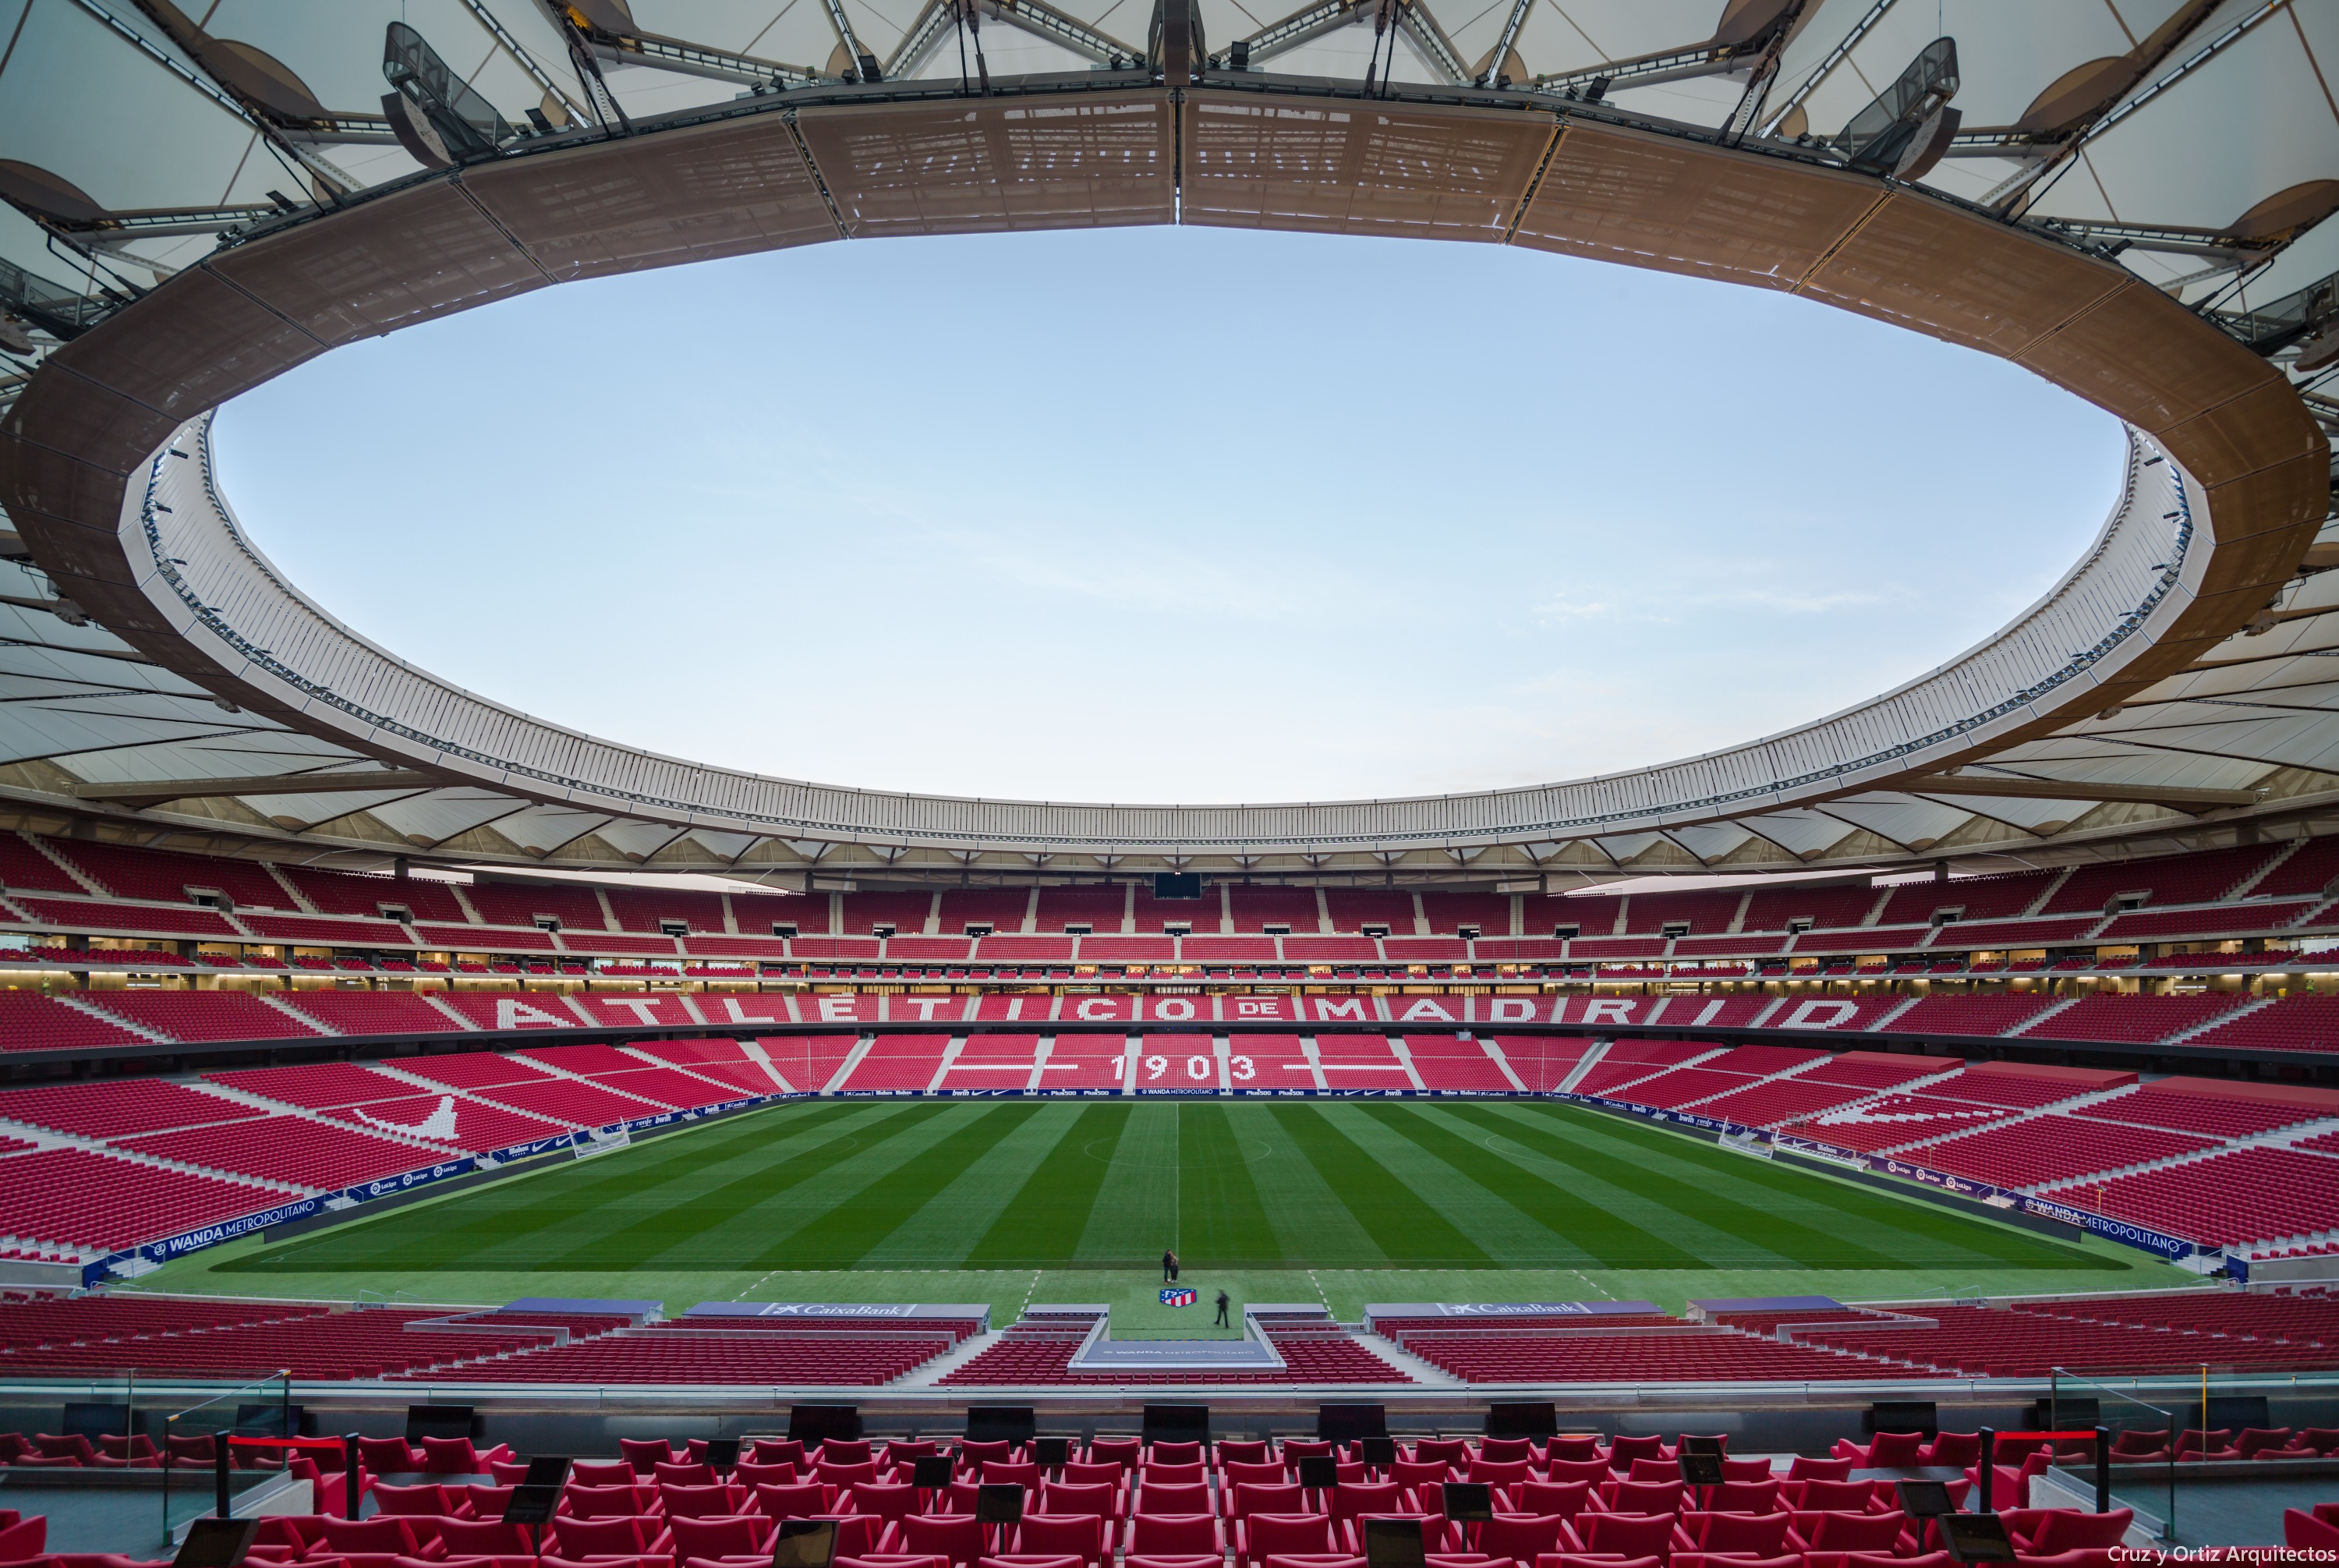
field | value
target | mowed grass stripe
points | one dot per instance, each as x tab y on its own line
701	1224
1310	1219
1522	1219
1010	1184
1040	1226
848	1231
1806	1222
1811	1221
1694	1201
1588	1203
1464	1181
1135	1212
979	1196
525	1221
1690	1204
1220	1217
1409	1233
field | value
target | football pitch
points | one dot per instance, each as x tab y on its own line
1011	1200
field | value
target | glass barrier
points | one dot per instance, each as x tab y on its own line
194	1478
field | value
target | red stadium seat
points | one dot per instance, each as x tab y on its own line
1522	1537
957	1536
1762	1534
1543	1498
1100	1498
1173	1535
1628	1534
1083	1535
1847	1532
739	1535
708	1502
1261	1535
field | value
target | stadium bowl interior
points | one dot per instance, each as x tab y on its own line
1467	1089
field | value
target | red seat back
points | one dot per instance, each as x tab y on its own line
1841	1531
1835	1496
1806	1468
797	1500
1352	1498
682	1472
1894	1449
2066	1529
882	1500
1624	1450
1502	1450
952	1535
1744	1497
1174	1454
1564	1498
382	1533
1764	1535
1642	1496
641	1453
1283	1497
1633	1534
385	1456
1521	1536
1188	1498
1111	1471
1269	1532
483	1537
1411	1472
1959	1449
597	1537
606	1502
1079	1533
450	1456
709	1502
736	1536
1081	1497
1173	1533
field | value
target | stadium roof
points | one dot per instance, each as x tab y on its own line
330	171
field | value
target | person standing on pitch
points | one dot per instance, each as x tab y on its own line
1222	1322
1169	1266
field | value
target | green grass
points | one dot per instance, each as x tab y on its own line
1007	1201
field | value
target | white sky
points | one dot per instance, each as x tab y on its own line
1169	514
